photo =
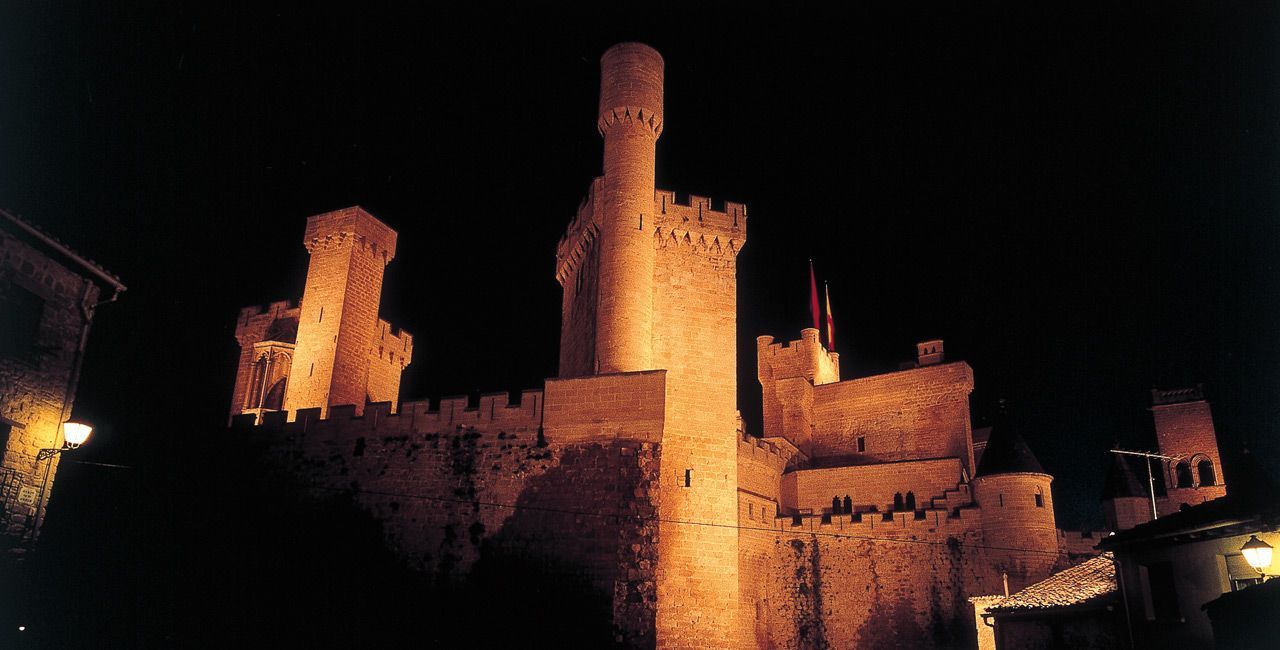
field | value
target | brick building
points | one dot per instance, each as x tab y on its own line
863	514
48	295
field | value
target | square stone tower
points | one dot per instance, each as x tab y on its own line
650	284
338	317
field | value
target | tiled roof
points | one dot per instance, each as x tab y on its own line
52	242
1081	584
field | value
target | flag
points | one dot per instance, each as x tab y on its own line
813	297
831	323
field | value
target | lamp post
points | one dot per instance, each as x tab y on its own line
74	434
1258	554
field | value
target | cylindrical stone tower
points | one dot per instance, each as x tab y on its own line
630	120
1015	497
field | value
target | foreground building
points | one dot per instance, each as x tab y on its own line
48	296
861	517
1171	569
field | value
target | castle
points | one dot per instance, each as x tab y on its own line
866	514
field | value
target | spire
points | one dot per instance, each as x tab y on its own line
1006	451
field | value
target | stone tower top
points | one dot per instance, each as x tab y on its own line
350	222
631	76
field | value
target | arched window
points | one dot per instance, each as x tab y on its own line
1205	469
848	505
911	501
1039	498
897	502
274	399
1184	474
835	505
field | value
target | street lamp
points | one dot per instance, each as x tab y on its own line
1258	554
74	434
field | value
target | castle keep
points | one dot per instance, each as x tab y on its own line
863	515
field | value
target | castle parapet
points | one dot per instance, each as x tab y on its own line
806	358
276	309
496	413
930	523
695	223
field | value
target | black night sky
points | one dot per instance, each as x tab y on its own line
1083	204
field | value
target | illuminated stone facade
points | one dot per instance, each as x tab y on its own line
862	517
48	295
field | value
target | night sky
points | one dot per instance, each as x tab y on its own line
1082	204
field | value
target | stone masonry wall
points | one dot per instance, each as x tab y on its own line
458	488
694	289
905	415
33	379
389	352
873	485
872	584
1185	430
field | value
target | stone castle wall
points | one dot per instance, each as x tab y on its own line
905	415
458	488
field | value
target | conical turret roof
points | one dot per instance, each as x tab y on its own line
1006	451
1122	480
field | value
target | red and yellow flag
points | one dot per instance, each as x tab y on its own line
831	322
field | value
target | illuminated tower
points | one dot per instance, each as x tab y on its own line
630	120
338	317
651	284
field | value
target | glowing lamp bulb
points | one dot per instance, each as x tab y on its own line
1257	553
75	433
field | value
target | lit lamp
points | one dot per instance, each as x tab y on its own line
74	434
1257	553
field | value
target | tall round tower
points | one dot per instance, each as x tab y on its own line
1014	495
630	120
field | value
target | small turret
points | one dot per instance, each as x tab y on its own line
1015	497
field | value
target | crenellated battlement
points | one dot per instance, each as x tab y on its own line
333	228
276	308
580	235
751	448
695	224
806	357
392	344
496	413
930	523
254	321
